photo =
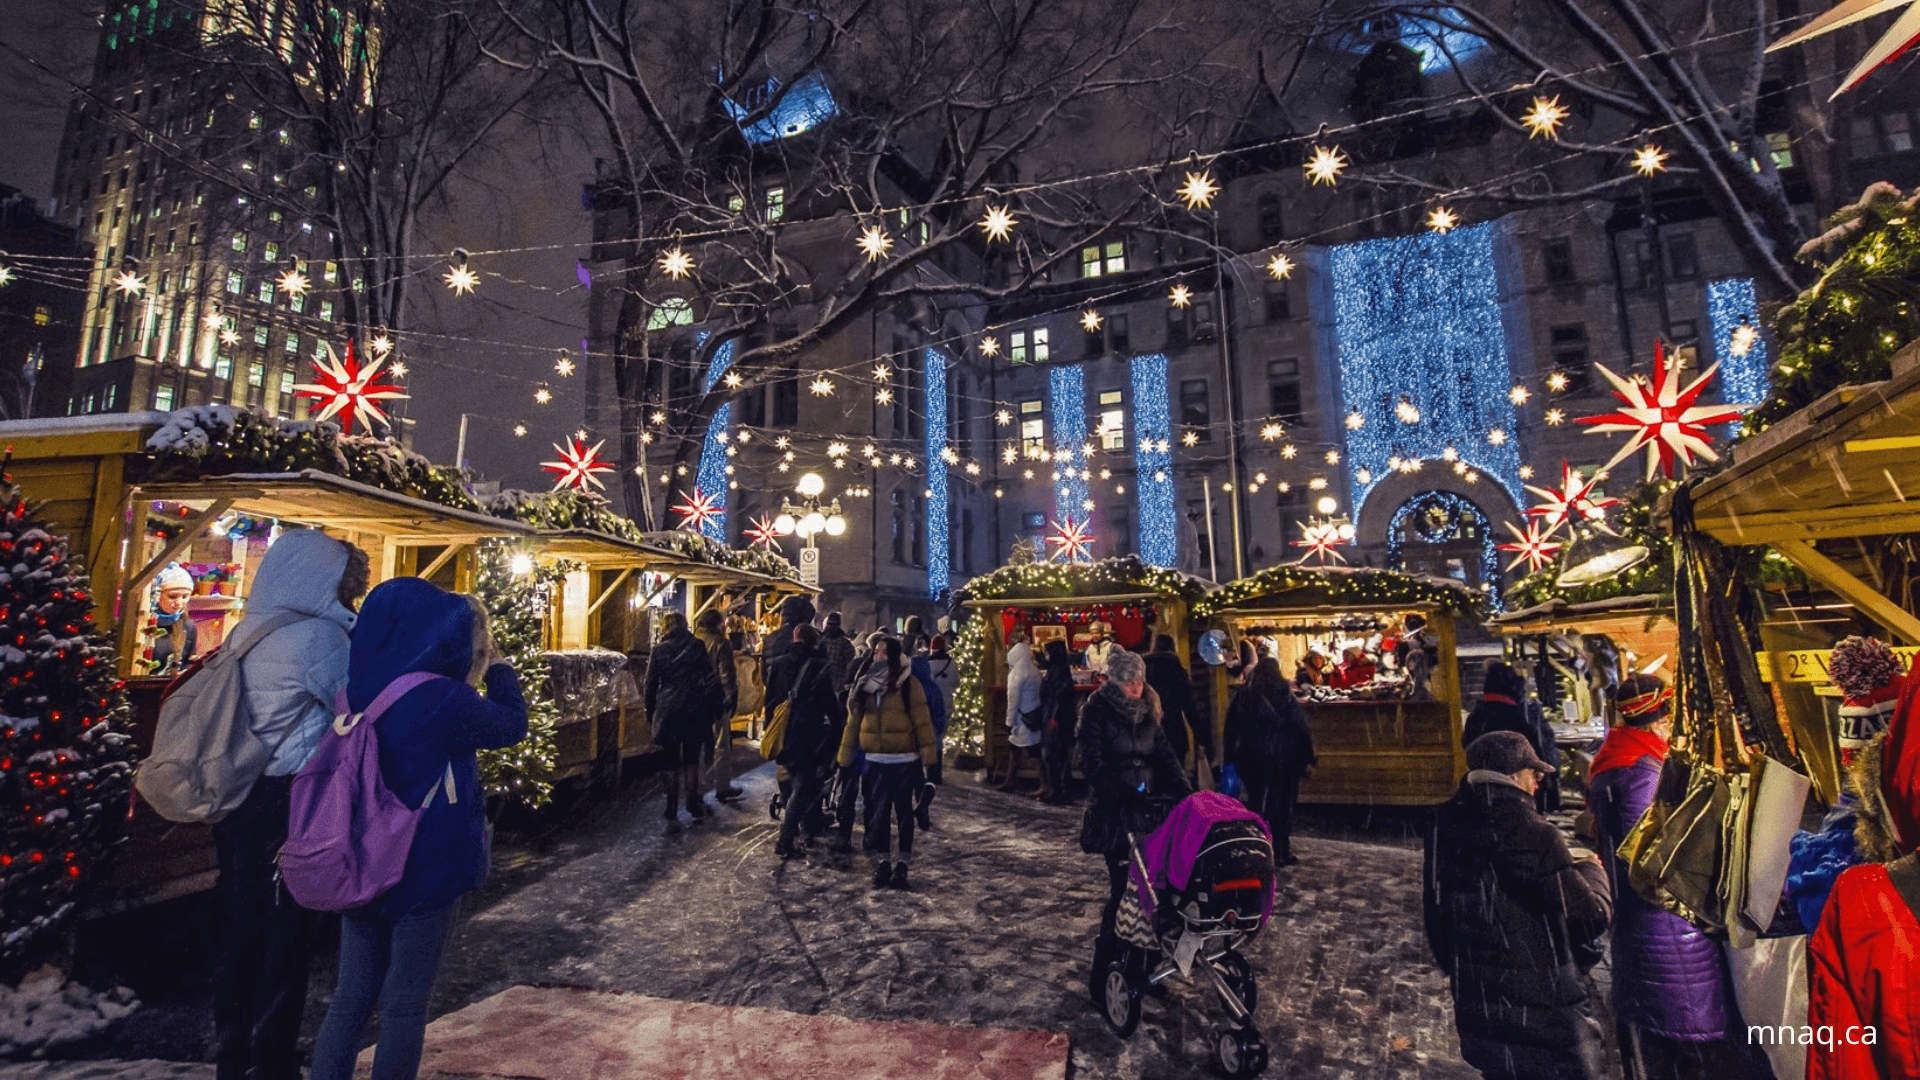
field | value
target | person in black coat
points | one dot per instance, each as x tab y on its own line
815	719
1504	707
1179	714
683	698
1269	743
1133	777
1515	921
1059	716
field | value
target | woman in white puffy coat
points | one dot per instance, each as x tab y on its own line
1023	700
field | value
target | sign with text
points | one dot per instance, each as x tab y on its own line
810	567
1810	665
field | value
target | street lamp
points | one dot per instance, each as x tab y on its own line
809	518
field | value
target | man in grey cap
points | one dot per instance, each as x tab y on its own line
1515	919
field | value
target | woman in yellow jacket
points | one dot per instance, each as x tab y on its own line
890	724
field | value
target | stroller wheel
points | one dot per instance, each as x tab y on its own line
1120	1006
1240	1052
1239	976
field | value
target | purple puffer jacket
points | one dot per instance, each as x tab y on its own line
1668	977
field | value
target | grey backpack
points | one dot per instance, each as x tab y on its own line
205	755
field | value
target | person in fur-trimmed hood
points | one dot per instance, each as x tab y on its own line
1861	969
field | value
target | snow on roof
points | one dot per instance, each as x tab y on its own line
82	425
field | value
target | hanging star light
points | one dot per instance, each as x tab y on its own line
1073	541
1090	320
875	242
519	431
214	320
1662	416
461	279
1498	436
1443	220
1519	395
699	511
1649	159
1556	417
1557	382
1191	438
732	379
1574	500
1280	267
345	388
1533	546
1004	417
761	533
564	365
1325	164
881	373
676	263
1406	410
229	336
381	345
542	396
989	346
1321	539
1289	451
578	465
1744	338
1199	190
1271	431
821	387
1904	34
129	284
6	275
1333	457
399	369
1181	296
1545	117
883	396
998	223
1526	472
293	282
1356	420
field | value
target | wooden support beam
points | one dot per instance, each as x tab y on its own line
441	560
1850	588
189	532
608	591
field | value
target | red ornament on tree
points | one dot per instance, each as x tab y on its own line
699	511
1662	416
577	465
349	390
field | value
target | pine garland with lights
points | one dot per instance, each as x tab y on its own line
66	762
564	509
1062	581
1357	585
703	548
1866	305
1637	522
967	715
516	611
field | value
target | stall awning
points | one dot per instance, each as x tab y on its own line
602	551
1557	614
316	498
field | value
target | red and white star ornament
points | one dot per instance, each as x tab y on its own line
761	533
1575	502
699	511
1320	538
1904	34
346	389
1073	541
1661	415
577	465
1533	546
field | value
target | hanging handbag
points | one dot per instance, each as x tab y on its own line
1678	867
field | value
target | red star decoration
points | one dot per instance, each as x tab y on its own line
1320	539
1904	34
699	511
577	465
1074	540
1575	502
762	534
1662	415
1533	546
349	390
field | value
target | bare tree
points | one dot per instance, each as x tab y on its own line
904	120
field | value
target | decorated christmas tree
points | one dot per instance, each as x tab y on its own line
65	758
516	591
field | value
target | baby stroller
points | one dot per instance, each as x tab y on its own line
1202	889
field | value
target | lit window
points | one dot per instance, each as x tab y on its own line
330	271
42	315
776	203
286	383
239	241
1113	426
1898	130
272	252
293	343
235	283
1027	345
326	311
223	367
736	203
1099	259
163	398
297	302
259	335
266	292
1033	435
256	374
673	311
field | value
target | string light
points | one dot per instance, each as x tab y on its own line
875	243
1443	220
1181	296
1199	190
1519	395
1557	382
129	284
1067	416
989	346
998	223
939	536
1649	159
714	470
1543	120
821	387
1733	310
1325	165
676	263
1090	320
461	279
293	282
1280	267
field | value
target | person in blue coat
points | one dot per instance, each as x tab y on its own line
390	949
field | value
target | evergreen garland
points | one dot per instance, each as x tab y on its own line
1062	581
1345	585
516	605
967	718
66	762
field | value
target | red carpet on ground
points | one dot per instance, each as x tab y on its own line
564	1034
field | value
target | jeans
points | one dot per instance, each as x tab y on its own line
809	783
1273	794
266	941
890	793
389	961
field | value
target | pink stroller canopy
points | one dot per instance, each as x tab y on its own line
1170	850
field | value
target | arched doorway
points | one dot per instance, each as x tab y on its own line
1445	534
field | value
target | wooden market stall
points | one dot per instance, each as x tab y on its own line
1574	654
1386	740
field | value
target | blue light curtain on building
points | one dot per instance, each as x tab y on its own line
712	477
1159	525
1067	412
1744	380
1419	317
939	560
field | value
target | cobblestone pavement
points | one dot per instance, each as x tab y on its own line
995	932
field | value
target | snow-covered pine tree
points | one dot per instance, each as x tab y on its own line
65	756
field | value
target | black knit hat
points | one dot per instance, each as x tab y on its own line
1504	752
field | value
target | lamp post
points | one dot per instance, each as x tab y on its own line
808	518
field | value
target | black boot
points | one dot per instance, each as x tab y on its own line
882	874
899	878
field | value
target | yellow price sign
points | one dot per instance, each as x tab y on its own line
1810	665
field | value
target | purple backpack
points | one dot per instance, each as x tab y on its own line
347	834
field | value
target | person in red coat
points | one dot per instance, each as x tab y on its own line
1863	964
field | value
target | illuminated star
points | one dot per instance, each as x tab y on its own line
881	373
1498	437
1545	118
578	465
989	346
1407	411
129	284
657	418
293	282
1320	539
1009	455
837	449
781	442
1289	451
1519	395
1526	472
1662	416
1199	190
699	511
732	379
1574	499
1557	382
1556	417
1744	337
564	365
229	336
1333	457
1325	164
399	370
1090	320
461	279
1356	421
542	396
998	223
1649	159
1271	431
883	396
1280	267
1181	296
6	275
1532	546
676	263
761	533
519	431
345	388
821	387
1191	438
1449	454
1442	220
215	320
1004	417
875	242
1073	540
381	345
